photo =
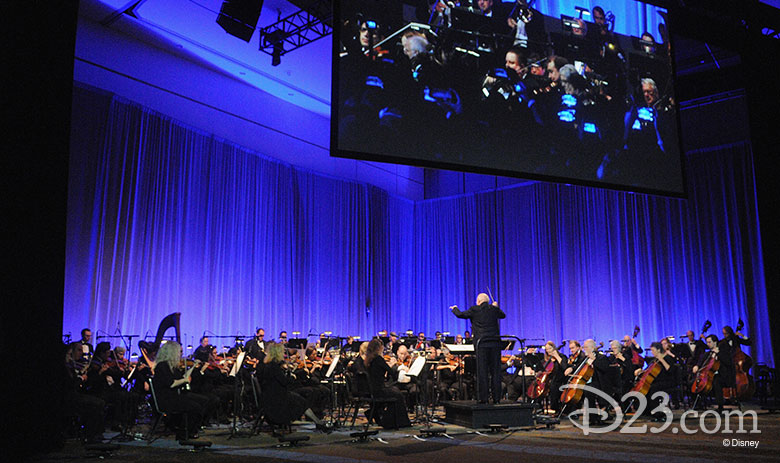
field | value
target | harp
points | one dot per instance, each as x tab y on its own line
170	321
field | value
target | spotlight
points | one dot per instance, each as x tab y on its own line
275	39
239	17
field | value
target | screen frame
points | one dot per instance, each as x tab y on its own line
337	152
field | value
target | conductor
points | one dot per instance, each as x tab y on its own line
484	321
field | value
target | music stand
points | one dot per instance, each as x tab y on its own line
461	350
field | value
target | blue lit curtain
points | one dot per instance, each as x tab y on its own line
164	218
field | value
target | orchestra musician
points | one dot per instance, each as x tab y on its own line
556	377
104	381
576	357
625	369
604	377
664	381
85	341
168	381
514	383
202	351
88	408
255	346
280	404
484	318
630	346
527	26
400	364
393	416
692	351
448	368
724	376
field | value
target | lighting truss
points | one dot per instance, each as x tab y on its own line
298	29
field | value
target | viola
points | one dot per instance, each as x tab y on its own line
703	382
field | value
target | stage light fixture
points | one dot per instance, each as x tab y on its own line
275	39
239	17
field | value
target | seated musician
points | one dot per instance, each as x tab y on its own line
664	381
448	369
421	343
168	381
625	369
400	364
88	408
202	351
514	381
280	404
725	375
394	414
104	381
557	377
358	373
211	380
576	357
604	377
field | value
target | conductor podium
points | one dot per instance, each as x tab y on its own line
470	414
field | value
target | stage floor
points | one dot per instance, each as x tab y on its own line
533	444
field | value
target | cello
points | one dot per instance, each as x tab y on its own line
580	377
746	386
703	382
540	386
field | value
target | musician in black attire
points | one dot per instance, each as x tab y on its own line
87	407
513	382
576	357
484	321
724	375
734	339
281	405
84	343
255	346
605	377
664	381
557	363
623	366
101	383
394	415
692	352
168	382
203	350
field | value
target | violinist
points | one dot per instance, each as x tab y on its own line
400	364
255	346
202	351
280	403
725	374
101	383
210	379
87	407
283	338
394	416
624	367
420	343
448	369
514	381
664	380
169	380
576	357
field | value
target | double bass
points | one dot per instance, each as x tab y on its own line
746	385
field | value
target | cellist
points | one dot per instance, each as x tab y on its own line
664	380
604	377
556	377
720	351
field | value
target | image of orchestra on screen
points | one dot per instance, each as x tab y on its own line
509	87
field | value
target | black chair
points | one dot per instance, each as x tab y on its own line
357	396
159	414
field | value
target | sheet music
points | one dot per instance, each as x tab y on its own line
461	348
237	365
333	364
417	366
